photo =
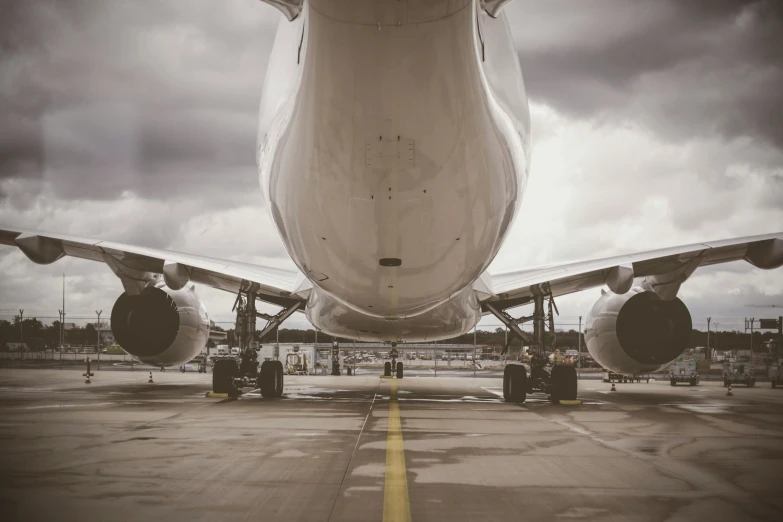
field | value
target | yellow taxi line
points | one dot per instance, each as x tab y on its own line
396	505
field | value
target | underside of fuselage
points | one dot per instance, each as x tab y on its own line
392	160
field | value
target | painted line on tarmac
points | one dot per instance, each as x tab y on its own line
396	504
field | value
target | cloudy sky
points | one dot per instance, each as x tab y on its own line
655	123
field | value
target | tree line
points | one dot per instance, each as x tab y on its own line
38	336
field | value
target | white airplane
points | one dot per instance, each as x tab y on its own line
393	153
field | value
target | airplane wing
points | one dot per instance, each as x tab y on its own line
665	269
134	265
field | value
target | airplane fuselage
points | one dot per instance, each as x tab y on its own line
394	146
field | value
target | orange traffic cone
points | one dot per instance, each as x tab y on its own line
728	393
613	388
150	381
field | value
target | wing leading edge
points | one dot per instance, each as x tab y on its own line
664	269
136	265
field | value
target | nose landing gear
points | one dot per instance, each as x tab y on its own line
393	365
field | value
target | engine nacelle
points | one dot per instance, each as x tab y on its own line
637	332
161	326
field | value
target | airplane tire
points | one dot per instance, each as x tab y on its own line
267	379
673	382
387	369
517	383
279	382
223	375
399	370
563	381
506	377
774	382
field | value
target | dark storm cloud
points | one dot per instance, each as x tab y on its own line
697	67
99	98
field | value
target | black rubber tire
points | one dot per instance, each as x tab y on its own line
774	382
506	376
267	379
672	382
223	374
387	369
725	383
517	383
563	383
693	382
399	370
279	381
349	371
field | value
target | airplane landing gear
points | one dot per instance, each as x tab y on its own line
394	364
230	373
560	382
515	383
270	379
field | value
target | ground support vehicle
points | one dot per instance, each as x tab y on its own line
738	373
683	371
776	373
610	376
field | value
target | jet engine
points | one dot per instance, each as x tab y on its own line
161	326
637	332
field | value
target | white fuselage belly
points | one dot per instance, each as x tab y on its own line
393	137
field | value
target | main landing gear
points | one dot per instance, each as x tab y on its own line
395	365
230	375
559	382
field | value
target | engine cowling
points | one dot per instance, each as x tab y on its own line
637	331
161	326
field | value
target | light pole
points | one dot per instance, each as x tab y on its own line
62	316
709	353
99	312
21	336
717	336
474	350
579	350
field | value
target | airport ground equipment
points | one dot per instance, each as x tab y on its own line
776	374
610	376
683	371
297	362
739	373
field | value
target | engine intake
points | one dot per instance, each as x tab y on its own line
637	331
651	330
161	326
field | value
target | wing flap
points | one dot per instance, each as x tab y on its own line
515	287
274	285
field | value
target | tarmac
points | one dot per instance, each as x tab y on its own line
366	448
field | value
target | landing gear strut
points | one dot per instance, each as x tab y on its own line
560	382
393	365
229	375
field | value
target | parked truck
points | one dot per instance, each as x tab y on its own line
776	373
683	371
739	373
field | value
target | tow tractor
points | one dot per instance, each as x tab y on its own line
739	373
610	376
776	373
683	371
559	382
397	365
